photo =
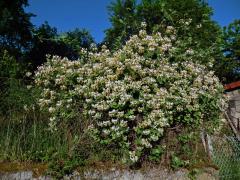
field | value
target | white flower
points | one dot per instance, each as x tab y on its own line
190	52
199	26
154	137
133	157
69	100
29	86
52	119
146	132
51	110
114	121
28	74
143	25
25	107
59	103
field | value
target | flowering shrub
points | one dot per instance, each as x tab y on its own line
134	94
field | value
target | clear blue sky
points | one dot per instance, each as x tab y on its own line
93	15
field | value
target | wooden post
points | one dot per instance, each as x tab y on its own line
232	127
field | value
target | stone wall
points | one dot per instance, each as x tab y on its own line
156	173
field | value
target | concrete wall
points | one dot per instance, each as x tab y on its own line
149	174
234	107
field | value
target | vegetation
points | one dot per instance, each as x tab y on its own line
15	27
134	94
46	40
127	15
69	103
228	66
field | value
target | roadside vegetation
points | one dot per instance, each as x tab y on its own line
143	98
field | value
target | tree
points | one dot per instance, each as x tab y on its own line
46	41
126	17
45	31
15	26
172	12
77	39
123	16
228	67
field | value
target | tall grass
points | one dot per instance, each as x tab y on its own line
28	139
24	130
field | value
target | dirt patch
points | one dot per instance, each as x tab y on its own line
38	169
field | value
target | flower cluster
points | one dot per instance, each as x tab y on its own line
132	95
60	80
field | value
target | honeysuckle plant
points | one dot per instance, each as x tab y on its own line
135	93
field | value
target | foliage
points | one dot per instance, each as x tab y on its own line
227	67
78	39
124	21
9	67
13	94
112	105
59	78
45	31
156	153
134	94
15	26
176	162
47	41
127	15
26	137
61	163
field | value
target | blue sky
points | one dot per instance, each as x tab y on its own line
93	15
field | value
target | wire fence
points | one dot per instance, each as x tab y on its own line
226	155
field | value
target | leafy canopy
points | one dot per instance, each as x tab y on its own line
15	26
228	66
127	15
47	41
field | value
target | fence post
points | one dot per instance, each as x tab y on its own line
232	127
207	144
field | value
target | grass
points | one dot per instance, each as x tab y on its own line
28	139
25	137
24	133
